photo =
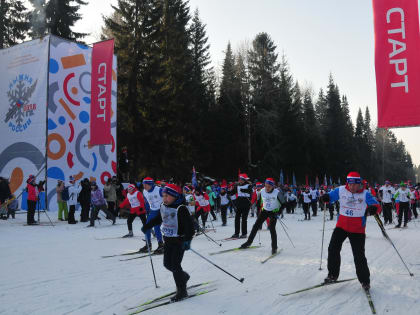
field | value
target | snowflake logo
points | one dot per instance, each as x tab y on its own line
20	106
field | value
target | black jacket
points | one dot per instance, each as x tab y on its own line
185	223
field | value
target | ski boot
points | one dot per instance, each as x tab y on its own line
366	286
235	236
243	236
181	293
144	249
273	251
159	250
130	234
330	279
245	245
398	226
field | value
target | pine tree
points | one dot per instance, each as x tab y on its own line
55	17
13	22
264	85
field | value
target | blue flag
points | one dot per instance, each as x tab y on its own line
294	179
281	177
331	182
325	180
339	181
194	178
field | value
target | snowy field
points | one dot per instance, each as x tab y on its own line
59	270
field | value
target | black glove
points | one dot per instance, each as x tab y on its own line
389	192
143	230
325	198
372	210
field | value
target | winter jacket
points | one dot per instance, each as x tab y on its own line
111	192
352	214
59	189
97	198
73	193
32	192
136	203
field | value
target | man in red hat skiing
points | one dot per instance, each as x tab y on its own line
355	204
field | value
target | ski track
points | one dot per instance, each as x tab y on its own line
59	270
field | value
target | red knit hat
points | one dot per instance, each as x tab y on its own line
131	188
270	181
354	178
173	190
243	176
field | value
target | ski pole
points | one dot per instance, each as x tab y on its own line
240	280
287	234
151	262
378	220
322	244
211	239
259	236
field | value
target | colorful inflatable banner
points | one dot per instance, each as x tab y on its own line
23	110
101	84
397	62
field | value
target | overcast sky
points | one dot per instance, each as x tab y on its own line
318	38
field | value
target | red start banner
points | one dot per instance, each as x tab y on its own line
101	86
397	62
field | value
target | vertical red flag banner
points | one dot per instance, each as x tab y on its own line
101	86
397	62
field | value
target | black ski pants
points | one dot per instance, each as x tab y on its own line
30	215
264	215
306	211
387	208
201	213
223	211
357	242
71	218
84	213
172	258
404	207
131	218
242	210
414	208
95	211
314	205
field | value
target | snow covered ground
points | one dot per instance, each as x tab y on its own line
59	270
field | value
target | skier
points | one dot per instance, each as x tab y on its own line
178	231
98	203
212	201
202	205
314	201
224	202
386	194
403	195
306	203
243	204
290	202
73	194
32	198
153	198
135	201
271	199
355	204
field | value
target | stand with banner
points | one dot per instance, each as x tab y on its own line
45	106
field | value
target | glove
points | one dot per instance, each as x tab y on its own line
372	210
389	192
325	198
276	210
186	245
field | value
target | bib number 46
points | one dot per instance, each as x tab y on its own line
349	213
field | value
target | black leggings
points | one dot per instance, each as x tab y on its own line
404	207
264	215
172	258
131	218
203	215
357	242
306	210
223	211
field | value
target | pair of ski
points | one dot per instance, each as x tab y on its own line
323	284
250	247
166	298
130	254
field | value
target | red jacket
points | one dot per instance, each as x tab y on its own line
136	210
32	192
206	208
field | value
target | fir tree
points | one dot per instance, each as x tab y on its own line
55	17
13	22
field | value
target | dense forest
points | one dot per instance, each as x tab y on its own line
175	113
